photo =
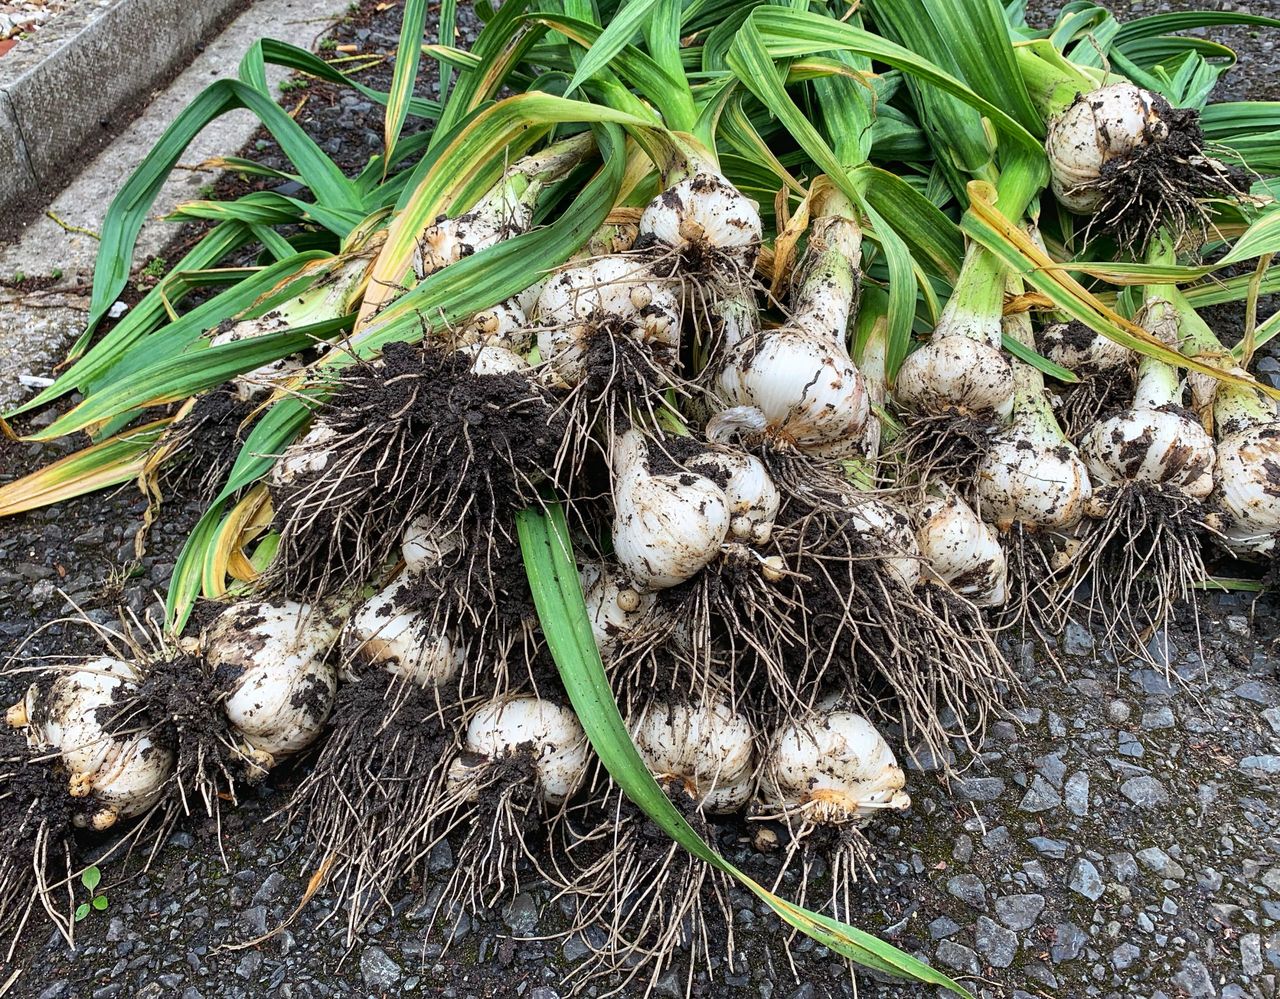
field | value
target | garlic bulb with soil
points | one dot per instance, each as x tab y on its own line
832	768
1156	442
1079	349
492	359
401	640
666	527
425	544
706	746
962	551
504	325
309	456
1032	475
121	773
271	661
887	530
545	733
1247	472
619	297
714	227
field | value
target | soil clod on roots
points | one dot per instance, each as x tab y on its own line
417	433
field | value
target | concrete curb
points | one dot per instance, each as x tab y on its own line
65	91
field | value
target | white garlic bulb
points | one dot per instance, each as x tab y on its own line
616	608
1156	446
491	359
309	456
279	686
753	498
1077	348
503	325
1100	126
550	732
401	640
666	528
620	296
956	372
708	746
252	384
712	224
425	544
121	775
807	387
888	528
834	768
960	550
1248	477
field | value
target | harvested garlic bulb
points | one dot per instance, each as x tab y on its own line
960	550
616	608
401	640
708	746
549	732
280	688
753	498
709	222
666	528
834	768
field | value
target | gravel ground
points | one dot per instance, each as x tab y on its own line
20	20
1118	835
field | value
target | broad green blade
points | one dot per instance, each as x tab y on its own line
408	55
616	36
109	463
562	612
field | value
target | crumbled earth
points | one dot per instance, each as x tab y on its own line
1117	835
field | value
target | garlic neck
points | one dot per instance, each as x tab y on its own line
974	308
1237	407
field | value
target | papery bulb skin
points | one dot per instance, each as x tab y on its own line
616	608
709	222
618	296
753	497
503	325
548	731
490	359
836	767
270	660
666	528
959	549
1079	349
954	372
1100	126
309	456
810	392
889	532
119	775
1248	487
400	640
708	746
1164	446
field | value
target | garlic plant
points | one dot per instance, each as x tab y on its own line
279	686
1079	349
1032	475
118	770
706	746
666	527
1155	441
1123	154
797	384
